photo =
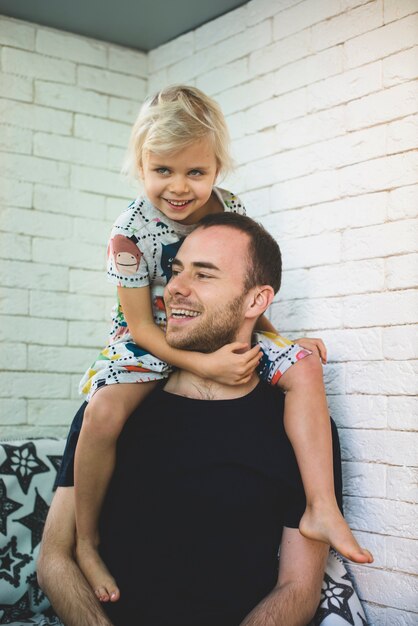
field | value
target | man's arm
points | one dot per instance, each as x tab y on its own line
58	574
295	598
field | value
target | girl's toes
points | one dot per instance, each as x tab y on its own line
369	555
102	594
115	595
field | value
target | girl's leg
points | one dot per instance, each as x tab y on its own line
307	425
104	418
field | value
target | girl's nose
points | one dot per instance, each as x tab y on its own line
179	185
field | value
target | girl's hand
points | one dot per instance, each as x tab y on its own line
229	366
315	345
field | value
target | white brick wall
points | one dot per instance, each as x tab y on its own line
320	97
322	115
66	106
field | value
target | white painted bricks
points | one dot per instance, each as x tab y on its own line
17	34
66	104
320	98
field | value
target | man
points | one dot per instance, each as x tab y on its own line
206	487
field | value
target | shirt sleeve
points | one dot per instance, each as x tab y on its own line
232	202
239	205
278	355
126	259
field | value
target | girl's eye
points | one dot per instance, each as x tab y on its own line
162	170
195	173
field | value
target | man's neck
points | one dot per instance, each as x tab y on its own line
183	383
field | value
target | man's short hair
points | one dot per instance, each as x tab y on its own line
264	258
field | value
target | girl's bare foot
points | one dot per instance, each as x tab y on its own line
328	525
96	572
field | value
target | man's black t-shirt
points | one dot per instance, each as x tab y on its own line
193	518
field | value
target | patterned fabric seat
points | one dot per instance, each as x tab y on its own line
27	474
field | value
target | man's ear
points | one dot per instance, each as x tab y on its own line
260	300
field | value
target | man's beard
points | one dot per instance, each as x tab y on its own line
216	329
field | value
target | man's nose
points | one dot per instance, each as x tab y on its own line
179	284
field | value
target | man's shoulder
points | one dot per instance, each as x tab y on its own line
263	399
268	394
263	404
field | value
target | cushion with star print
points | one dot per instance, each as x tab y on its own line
339	604
28	470
27	474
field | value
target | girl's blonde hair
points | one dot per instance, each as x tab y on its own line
174	118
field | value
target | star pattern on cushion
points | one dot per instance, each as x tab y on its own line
11	562
7	506
35	521
55	460
23	463
51	617
334	601
37	593
17	612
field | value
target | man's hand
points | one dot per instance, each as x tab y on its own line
315	345
295	598
230	365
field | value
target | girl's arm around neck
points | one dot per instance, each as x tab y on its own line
227	365
137	309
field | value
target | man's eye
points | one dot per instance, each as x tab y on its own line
200	275
175	272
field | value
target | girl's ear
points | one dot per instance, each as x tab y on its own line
260	300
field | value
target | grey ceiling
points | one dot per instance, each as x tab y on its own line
140	24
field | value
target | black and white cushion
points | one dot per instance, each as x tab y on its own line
27	473
340	604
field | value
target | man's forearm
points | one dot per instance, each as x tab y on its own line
288	605
295	598
70	594
58	574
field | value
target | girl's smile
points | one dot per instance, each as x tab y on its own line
180	183
176	204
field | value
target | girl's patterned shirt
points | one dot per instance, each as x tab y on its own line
142	246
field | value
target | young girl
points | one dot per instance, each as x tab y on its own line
179	147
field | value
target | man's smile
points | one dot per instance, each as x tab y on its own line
183	313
